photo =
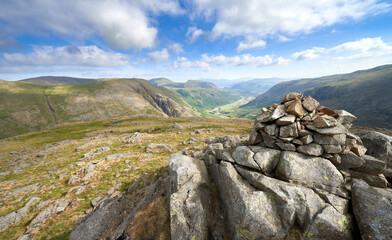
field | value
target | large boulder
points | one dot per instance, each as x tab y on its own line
379	146
189	198
373	210
310	171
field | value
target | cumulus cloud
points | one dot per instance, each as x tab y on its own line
176	48
250	42
362	48
193	34
122	24
308	54
221	60
67	55
159	56
266	17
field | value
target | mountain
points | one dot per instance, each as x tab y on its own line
365	93
164	82
256	86
161	81
55	81
26	107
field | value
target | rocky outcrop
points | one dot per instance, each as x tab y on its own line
287	182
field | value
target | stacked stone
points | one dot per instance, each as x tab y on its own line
300	124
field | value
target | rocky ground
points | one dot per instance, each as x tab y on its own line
50	179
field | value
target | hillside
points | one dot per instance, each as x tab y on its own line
55	81
164	82
364	93
26	107
80	165
256	86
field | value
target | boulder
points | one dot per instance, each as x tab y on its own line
249	214
286	146
307	139
267	159
244	156
309	171
278	112
291	96
350	160
311	149
378	180
189	198
255	137
379	146
270	129
330	148
327	111
371	165
373	210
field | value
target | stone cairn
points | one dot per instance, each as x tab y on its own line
300	124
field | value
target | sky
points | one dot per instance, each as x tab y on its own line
193	39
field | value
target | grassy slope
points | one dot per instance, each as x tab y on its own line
54	80
24	106
62	159
364	93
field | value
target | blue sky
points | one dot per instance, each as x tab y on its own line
192	39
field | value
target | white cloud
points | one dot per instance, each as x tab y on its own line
66	55
183	62
159	56
308	54
176	48
221	60
250	42
193	34
364	48
266	17
122	24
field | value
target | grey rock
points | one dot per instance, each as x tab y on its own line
286	146
7	220
371	165
117	156
373	210
244	156
307	139
331	224
339	139
330	148
304	132
268	140
58	207
338	129
267	159
95	153
153	147
311	149
309	171
270	129
359	150
296	108
298	142
278	112
289	130
335	159
286	120
344	116
255	137
73	179
378	180
264	117
21	190
189	198
249	214
227	141
286	139
291	96
103	221
350	160
379	146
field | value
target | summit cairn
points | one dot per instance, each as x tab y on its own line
300	124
